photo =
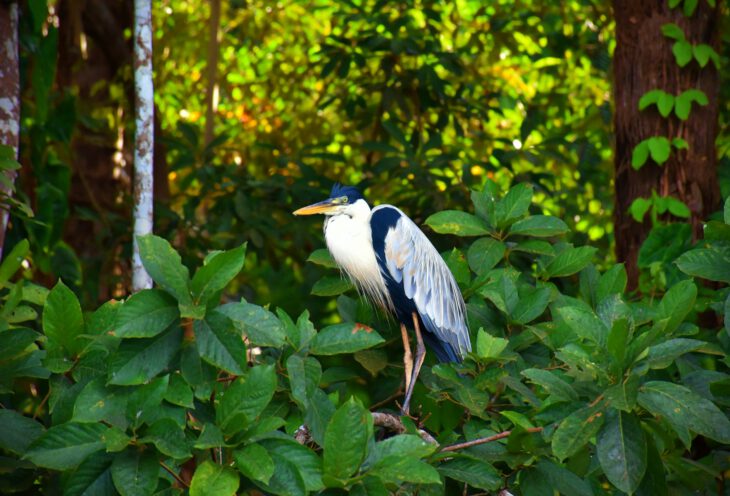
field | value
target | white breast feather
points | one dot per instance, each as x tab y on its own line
349	240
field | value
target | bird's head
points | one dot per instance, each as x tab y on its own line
342	200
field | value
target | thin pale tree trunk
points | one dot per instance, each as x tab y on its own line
211	94
143	137
9	101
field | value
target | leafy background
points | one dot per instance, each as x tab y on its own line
490	126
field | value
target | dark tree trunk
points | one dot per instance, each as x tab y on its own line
9	101
643	61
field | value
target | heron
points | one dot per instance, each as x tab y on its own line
392	262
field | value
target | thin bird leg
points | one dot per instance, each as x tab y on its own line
407	356
420	356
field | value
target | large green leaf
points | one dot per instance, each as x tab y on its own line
261	327
211	479
305	461
63	321
584	323
489	346
570	261
553	384
514	204
331	286
621	449
484	253
217	272
135	472
539	226
476	473
346	440
407	469
146	314
96	402
304	374
456	222
165	267
220	343
13	260
531	305
344	338
563	480
246	398
706	263
575	431
64	446
254	462
18	431
93	477
139	360
168	438
685	409
677	303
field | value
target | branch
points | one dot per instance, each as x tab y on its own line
485	440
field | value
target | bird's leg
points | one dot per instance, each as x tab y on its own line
407	356
420	356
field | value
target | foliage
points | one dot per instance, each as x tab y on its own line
160	392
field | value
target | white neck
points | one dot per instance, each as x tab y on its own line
349	240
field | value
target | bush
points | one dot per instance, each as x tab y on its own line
574	385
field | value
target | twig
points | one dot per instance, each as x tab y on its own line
387	400
42	404
484	440
394	423
175	476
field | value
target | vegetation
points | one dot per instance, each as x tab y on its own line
488	124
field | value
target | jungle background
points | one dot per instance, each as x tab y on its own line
509	110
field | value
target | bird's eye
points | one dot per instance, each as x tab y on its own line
342	199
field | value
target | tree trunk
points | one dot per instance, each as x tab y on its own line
643	61
143	136
9	101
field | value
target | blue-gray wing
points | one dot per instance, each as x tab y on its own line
409	261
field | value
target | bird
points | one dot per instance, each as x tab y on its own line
395	266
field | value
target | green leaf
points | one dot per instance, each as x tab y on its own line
622	396
139	360
659	148
664	354
13	260
616	342
179	392
563	480
684	409
344	338
217	272
485	205
63	321
639	207
570	261
96	403
726	211
484	254
539	226
665	102
613	281
211	479
680	144
672	31
146	314
575	431
165	267
254	462
677	303
489	346
261	327
322	257
584	323
705	263
168	438
305	462
346	440
318	414
682	51
689	7
220	343
456	222
553	384
514	204
650	97
621	449
92	477
407	469
144	402
531	305
640	154
476	473
331	286
65	446
246	398
18	431
135	473
304	374
703	53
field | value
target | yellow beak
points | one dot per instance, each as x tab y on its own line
322	207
